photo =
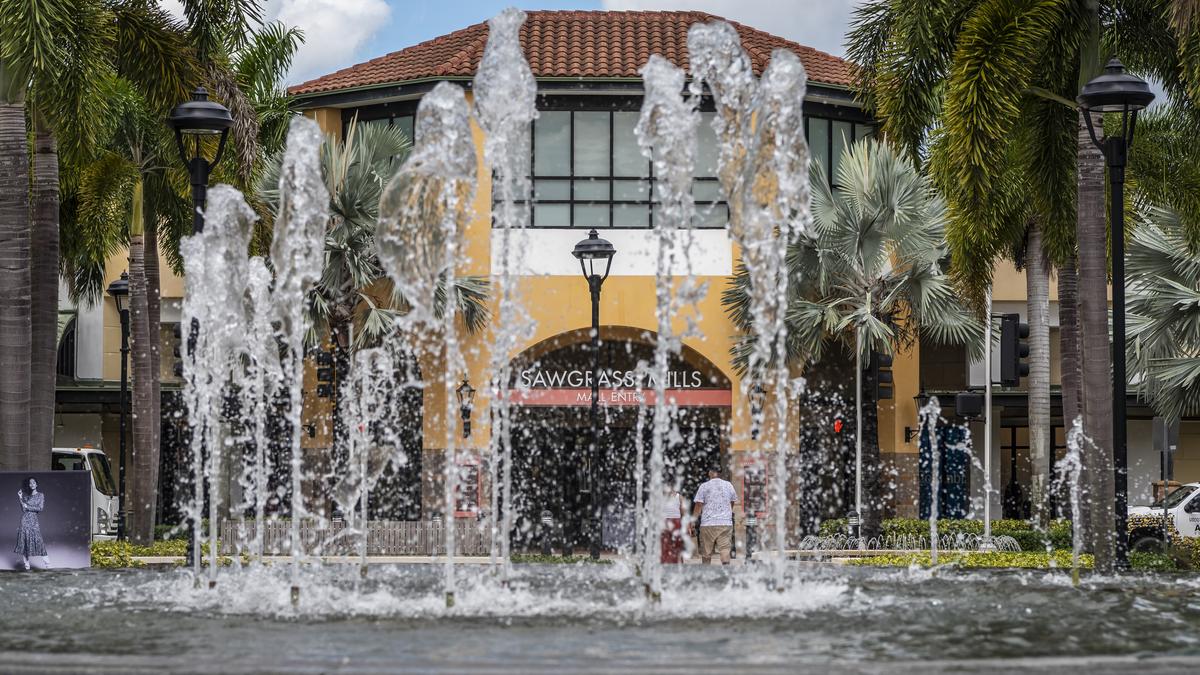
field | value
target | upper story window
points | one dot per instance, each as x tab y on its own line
828	140
588	171
404	122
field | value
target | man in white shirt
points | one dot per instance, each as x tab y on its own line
714	510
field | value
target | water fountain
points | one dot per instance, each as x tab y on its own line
247	331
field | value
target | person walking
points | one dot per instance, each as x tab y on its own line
672	531
714	511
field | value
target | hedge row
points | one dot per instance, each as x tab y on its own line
1058	535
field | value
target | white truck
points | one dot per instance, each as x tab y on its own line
1182	507
104	488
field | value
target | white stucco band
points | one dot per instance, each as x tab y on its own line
547	251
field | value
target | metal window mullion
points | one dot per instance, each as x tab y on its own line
571	159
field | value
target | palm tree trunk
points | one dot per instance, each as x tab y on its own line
1037	278
15	288
43	299
1093	322
154	320
1068	340
142	493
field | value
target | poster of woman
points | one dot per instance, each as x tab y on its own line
44	520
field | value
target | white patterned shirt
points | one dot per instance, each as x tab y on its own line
717	496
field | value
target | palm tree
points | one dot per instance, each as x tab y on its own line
1164	313
996	81
56	57
354	305
133	179
871	269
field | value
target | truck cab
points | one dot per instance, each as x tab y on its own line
104	488
1182	506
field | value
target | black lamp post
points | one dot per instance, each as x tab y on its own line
466	398
198	118
595	260
1117	92
119	290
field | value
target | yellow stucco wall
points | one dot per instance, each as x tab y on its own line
558	304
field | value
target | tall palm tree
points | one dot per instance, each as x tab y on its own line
62	54
997	79
870	269
132	192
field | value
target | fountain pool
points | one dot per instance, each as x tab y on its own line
595	618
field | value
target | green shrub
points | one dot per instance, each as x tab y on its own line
977	560
557	559
1059	532
113	554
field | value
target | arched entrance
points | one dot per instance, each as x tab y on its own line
553	470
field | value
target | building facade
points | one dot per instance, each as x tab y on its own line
587	172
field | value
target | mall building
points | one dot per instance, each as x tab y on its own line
587	172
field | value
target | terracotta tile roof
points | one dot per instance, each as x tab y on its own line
572	44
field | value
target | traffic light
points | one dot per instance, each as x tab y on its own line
879	374
1013	349
324	362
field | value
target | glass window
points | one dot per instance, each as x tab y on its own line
631	215
706	147
843	136
627	156
591	190
102	474
552	215
862	131
588	215
591	143
552	144
588	171
706	191
818	143
552	190
631	190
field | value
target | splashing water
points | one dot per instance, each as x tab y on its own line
929	414
505	107
298	254
666	133
763	170
422	215
1070	468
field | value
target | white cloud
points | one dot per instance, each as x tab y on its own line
821	24
334	30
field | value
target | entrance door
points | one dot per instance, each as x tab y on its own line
551	470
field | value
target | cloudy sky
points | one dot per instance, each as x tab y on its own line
340	33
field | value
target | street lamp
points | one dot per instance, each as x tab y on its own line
198	118
466	398
1117	92
595	260
119	290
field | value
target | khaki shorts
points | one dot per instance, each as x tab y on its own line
718	537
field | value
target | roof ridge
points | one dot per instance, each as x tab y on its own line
582	44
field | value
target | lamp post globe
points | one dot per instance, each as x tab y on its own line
119	290
466	403
1116	92
595	257
195	120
